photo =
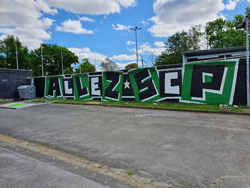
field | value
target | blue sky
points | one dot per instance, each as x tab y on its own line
96	29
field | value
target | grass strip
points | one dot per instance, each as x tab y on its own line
159	105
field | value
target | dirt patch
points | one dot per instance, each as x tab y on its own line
93	102
6	100
245	110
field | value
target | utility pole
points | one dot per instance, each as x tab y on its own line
16	57
42	61
79	62
247	66
62	62
243	25
142	61
135	29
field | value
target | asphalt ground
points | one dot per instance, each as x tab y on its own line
179	149
18	170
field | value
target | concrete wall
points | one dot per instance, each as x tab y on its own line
11	79
217	82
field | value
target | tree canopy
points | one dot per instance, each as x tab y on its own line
108	65
179	42
8	48
220	33
52	56
85	66
131	66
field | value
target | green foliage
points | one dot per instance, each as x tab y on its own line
8	48
179	42
131	66
219	33
162	105
108	65
222	33
52	61
214	32
247	12
86	66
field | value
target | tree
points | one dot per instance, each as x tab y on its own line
8	47
214	32
86	66
222	33
194	37
179	42
52	61
152	59
175	45
131	66
108	65
219	33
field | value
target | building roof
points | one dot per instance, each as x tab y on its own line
214	51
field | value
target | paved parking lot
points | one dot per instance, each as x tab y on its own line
178	148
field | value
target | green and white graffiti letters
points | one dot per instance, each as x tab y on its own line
112	86
54	87
145	84
81	86
205	82
210	82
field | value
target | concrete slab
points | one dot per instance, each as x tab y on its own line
20	171
179	148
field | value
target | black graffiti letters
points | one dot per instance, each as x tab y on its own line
114	78
96	86
145	85
207	77
54	87
212	82
170	83
68	89
82	91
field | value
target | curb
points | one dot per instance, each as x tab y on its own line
162	109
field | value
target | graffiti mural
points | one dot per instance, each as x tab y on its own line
210	82
205	82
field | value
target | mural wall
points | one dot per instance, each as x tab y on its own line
206	82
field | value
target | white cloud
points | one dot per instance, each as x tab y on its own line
77	51
159	44
130	43
122	65
25	21
143	22
41	5
73	26
231	4
92	7
94	58
124	57
119	27
86	19
29	22
176	15
146	49
2	37
127	3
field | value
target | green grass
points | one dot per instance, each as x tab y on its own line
163	105
131	173
6	100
